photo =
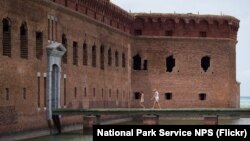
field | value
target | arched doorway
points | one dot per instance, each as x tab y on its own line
55	52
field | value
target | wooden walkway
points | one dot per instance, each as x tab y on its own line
151	116
194	112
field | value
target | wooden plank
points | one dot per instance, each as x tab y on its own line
194	112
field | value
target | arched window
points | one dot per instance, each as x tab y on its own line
145	65
93	56
117	94
39	45
110	92
138	26
116	59
102	93
216	24
85	54
93	92
170	24
150	21
225	23
139	23
75	53
192	24
102	57
24	41
159	21
6	37
123	60
109	57
203	25
75	92
137	62
64	42
182	23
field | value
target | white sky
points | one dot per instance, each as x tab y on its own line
237	8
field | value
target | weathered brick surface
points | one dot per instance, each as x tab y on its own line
187	80
94	24
8	115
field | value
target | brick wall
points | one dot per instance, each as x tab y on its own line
23	81
187	79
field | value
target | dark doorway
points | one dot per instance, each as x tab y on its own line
170	63
55	90
137	62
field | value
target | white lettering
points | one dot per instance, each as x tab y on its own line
140	132
203	132
112	132
162	132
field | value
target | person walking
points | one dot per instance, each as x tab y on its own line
142	99
156	98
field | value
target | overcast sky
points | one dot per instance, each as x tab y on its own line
237	8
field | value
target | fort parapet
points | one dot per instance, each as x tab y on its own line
156	24
185	25
101	10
